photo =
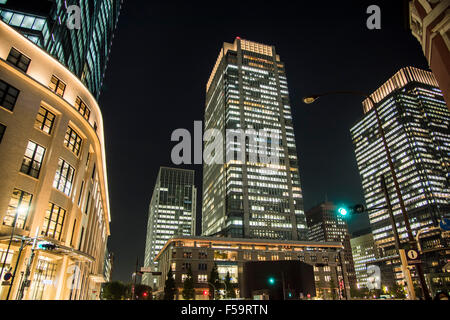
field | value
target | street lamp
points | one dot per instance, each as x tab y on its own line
312	98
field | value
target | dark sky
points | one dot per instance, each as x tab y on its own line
163	53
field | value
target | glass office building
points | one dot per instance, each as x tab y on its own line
416	122
250	198
83	51
171	212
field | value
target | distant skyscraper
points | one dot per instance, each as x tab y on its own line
325	225
416	122
171	213
85	51
248	89
364	252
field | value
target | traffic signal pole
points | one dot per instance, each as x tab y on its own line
401	252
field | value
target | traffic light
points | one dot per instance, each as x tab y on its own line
345	211
145	294
205	292
43	245
271	280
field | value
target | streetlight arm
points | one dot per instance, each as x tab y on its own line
313	97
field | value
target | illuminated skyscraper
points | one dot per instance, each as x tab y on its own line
325	225
83	51
171	212
364	253
416	122
247	89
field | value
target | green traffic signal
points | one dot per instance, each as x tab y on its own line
343	211
271	280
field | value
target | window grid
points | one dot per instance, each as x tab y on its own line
64	177
73	141
44	120
82	108
53	221
32	160
8	95
57	86
18	209
18	59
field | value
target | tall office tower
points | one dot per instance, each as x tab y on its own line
364	254
171	213
247	89
83	51
53	177
325	225
416	122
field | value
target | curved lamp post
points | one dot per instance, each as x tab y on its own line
311	99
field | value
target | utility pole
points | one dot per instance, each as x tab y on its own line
133	289
401	252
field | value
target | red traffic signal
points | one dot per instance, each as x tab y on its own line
205	292
145	294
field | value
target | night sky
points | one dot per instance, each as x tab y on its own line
162	56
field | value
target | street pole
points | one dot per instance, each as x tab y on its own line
134	280
28	269
401	252
394	178
282	283
22	244
343	276
9	244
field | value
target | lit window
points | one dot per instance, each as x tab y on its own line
82	108
19	60
57	86
64	177
73	141
203	278
32	160
53	221
8	95
18	209
44	120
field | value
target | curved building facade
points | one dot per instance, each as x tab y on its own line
53	177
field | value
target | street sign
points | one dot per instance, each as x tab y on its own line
146	269
6	283
412	256
445	224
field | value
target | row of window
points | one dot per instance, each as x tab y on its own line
9	94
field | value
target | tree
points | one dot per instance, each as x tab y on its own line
214	283
230	294
188	286
169	286
114	290
143	292
397	291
